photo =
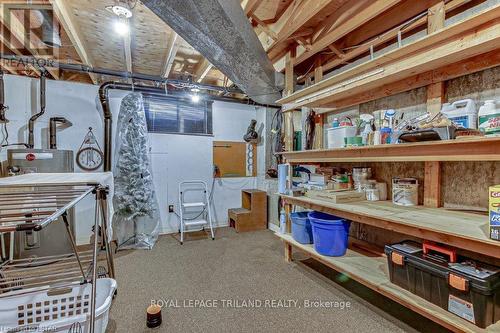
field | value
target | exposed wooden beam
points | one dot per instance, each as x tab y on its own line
480	33
251	6
385	37
435	17
289	88
202	70
172	47
318	70
367	13
435	97
264	27
335	49
298	13
435	91
464	67
127	46
338	17
432	184
66	18
289	72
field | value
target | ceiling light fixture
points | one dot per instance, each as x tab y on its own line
121	25
195	98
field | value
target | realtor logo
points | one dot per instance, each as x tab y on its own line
30	28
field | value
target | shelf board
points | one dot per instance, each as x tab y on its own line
483	149
372	272
463	230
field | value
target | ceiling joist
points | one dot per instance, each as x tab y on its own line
368	12
172	47
72	30
202	70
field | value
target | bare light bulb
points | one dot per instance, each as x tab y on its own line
121	27
195	98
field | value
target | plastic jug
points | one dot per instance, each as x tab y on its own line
489	118
463	113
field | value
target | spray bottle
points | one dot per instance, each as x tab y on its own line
368	121
282	221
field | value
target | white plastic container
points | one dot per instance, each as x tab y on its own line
336	135
463	113
489	118
57	310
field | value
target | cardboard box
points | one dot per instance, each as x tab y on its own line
494	207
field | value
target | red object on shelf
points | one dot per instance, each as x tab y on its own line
428	246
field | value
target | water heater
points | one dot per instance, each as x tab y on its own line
52	240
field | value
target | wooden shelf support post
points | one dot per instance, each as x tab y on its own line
435	91
289	88
288	229
432	184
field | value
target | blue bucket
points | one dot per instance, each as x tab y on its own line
301	228
330	234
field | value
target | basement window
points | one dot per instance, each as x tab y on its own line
177	115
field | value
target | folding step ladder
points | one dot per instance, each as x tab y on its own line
206	211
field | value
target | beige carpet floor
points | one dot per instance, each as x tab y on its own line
246	267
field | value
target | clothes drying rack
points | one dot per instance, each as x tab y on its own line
31	207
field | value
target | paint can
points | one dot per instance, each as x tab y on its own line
405	191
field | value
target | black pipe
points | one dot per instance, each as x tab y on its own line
3	107
108	119
104	99
53	130
31	123
42	63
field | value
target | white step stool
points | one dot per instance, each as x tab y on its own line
194	186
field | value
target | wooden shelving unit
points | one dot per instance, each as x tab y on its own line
467	231
372	272
417	64
464	230
485	149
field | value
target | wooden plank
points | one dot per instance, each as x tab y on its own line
432	184
251	6
464	67
443	48
364	15
172	47
435	17
371	270
289	72
385	37
288	252
484	149
127	46
296	16
463	230
435	97
202	70
73	31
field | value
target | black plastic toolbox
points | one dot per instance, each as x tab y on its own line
467	288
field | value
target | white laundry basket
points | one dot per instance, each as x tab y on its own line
58	310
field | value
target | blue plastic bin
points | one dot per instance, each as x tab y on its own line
330	234
301	228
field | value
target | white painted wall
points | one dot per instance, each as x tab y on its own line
174	157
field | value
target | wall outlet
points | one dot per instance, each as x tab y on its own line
170	208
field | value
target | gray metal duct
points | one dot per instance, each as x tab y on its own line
50	29
220	31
